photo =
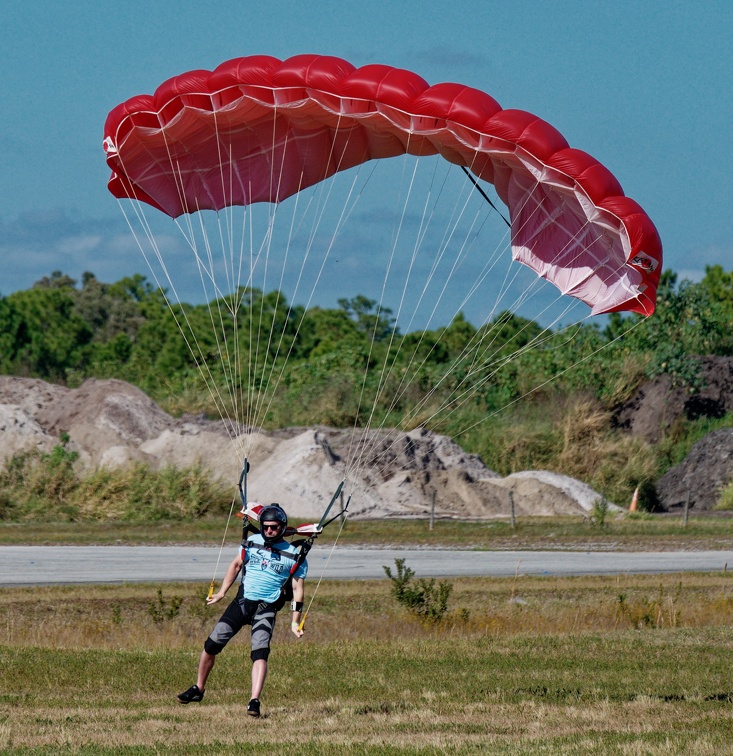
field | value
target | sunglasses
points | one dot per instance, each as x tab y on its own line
266	526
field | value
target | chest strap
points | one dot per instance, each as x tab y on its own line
254	545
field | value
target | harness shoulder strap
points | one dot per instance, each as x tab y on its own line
279	552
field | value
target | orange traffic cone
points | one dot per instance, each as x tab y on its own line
634	500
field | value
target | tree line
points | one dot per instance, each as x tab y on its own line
351	364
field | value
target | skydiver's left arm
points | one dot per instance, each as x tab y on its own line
298	597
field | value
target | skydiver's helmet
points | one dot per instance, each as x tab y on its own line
273	513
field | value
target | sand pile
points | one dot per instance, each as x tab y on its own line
388	473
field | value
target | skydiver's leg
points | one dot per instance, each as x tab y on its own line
263	625
229	624
206	664
259	673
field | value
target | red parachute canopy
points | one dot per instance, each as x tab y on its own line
258	129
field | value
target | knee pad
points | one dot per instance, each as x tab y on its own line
212	647
260	653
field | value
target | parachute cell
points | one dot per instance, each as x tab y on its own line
257	129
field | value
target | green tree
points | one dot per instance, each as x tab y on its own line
324	331
42	333
686	325
374	321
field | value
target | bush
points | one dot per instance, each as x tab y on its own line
422	598
599	513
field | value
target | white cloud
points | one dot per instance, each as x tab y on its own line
79	246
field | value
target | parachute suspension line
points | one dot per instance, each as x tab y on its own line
383	380
539	339
325	566
250	320
248	297
354	459
484	195
487	370
344	215
450	231
341	220
457	262
271	390
257	410
219	300
260	386
221	406
242	488
256	319
384	375
221	547
484	363
195	353
471	371
397	229
206	374
458	400
264	403
233	280
583	359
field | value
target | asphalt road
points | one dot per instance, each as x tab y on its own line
37	565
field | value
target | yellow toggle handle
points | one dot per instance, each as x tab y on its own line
302	622
211	590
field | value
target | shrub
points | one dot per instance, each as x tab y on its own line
423	598
161	610
599	513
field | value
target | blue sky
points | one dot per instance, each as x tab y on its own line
644	87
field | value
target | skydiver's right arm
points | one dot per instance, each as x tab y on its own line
232	572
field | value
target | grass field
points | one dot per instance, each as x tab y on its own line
585	665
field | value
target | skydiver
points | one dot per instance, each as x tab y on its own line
267	560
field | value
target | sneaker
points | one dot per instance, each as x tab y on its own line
192	694
253	707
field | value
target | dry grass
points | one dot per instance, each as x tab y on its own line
638	532
136	615
639	664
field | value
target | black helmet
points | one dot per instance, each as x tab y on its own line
273	513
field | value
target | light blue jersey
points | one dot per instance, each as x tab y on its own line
267	569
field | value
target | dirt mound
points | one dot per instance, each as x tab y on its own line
655	409
658	404
389	473
703	474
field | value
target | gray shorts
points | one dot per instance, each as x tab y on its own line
260	615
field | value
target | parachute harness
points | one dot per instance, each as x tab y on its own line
312	531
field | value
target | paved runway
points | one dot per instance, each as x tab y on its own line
36	565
